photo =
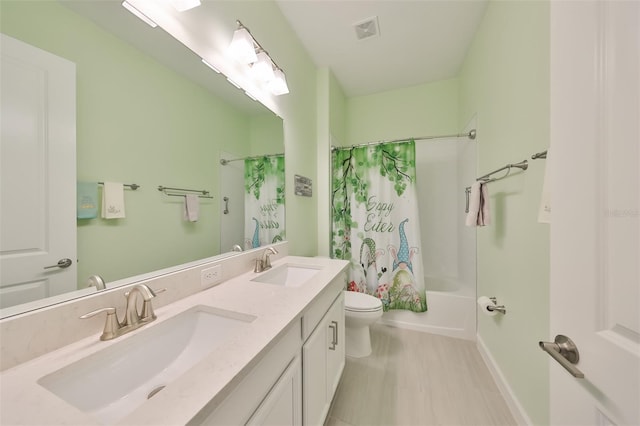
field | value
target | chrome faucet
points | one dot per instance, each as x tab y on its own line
132	318
264	263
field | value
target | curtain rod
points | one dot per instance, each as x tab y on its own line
471	135
224	162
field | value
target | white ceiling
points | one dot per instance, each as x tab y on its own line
420	41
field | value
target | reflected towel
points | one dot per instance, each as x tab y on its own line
544	213
484	218
478	206
87	200
191	207
112	200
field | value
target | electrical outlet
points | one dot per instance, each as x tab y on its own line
211	275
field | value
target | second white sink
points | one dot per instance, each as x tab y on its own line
110	384
288	275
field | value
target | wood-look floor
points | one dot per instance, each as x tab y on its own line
415	378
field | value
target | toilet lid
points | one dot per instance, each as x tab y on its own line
354	301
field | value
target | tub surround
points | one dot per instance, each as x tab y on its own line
209	382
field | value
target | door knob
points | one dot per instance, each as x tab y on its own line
62	263
563	350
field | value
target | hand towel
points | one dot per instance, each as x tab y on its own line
478	205
112	200
191	207
87	200
544	213
484	218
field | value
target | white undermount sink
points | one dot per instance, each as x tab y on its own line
288	275
111	383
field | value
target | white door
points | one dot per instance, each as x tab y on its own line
595	231
38	173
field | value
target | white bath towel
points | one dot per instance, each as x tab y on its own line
478	214
112	200
191	207
544	213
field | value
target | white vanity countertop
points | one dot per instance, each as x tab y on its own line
24	401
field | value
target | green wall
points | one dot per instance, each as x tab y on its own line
505	80
332	125
137	121
266	135
423	110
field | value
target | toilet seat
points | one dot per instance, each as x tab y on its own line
361	302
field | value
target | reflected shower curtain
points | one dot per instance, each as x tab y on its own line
375	223
264	200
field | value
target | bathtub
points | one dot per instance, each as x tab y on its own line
451	311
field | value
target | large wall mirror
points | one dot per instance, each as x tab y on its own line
147	112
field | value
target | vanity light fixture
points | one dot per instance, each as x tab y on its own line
278	86
242	46
262	69
139	14
183	5
246	50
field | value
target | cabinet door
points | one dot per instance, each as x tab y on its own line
335	345
282	404
314	364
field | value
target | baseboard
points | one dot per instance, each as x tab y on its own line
457	333
514	405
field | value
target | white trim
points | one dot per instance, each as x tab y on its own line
518	412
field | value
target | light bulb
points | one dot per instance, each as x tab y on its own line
241	47
278	86
262	69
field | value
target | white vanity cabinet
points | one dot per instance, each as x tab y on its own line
283	404
323	358
270	394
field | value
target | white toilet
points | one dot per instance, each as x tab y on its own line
360	311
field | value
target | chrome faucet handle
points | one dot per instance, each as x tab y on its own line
266	259
111	325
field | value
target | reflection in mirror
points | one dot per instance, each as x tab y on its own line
139	119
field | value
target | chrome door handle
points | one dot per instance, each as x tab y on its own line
563	350
62	263
335	332
334	328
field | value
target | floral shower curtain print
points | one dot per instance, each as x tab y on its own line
375	223
264	200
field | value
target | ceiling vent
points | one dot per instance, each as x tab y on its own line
367	28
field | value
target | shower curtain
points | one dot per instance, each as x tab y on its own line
375	223
264	200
